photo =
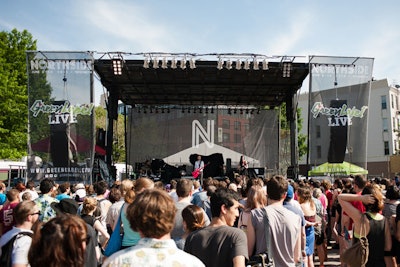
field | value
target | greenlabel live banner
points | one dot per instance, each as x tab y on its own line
61	139
338	109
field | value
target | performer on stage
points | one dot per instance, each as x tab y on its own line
243	166
199	165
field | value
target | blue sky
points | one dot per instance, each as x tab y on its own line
295	28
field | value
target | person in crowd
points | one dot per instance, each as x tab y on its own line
193	219
64	191
3	197
30	187
220	244
79	193
115	209
44	201
196	186
172	190
131	237
294	206
6	214
152	214
26	214
92	251
389	212
319	227
88	208
26	196
308	207
327	186
282	223
60	242
256	198
201	196
116	198
184	192
377	228
206	204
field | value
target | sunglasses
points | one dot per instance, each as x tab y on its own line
38	213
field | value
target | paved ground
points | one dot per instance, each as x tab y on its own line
333	258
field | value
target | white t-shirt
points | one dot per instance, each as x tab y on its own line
21	245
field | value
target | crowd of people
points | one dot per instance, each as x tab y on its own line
218	223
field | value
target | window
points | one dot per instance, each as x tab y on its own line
397	103
318	134
225	124
238	138
392	100
394	123
385	124
237	125
226	137
383	102
319	152
386	147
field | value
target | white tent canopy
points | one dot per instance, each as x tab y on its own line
182	157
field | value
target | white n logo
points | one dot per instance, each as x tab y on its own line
198	131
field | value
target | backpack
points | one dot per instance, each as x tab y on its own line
6	250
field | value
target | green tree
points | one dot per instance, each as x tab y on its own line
285	130
119	132
14	93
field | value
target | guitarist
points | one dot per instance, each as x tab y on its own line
199	165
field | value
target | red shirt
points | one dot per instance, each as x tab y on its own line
7	216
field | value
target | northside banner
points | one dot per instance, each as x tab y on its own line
338	109
60	132
174	134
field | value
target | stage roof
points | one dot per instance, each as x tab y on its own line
211	82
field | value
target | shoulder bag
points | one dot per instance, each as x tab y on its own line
115	242
357	254
263	259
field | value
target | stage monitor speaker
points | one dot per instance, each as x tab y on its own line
338	134
228	164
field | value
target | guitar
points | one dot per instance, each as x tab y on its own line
197	171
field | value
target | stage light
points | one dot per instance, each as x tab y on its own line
255	64
146	63
183	63
265	65
117	66
220	63
258	111
173	63
155	63
200	110
192	63
194	110
188	109
206	110
241	111
164	63
228	64
183	110
246	65
287	68
212	110
238	65
235	111
229	111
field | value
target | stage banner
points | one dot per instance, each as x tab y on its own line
61	128
173	134
338	109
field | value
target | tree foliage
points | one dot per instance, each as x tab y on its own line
301	138
119	132
14	93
